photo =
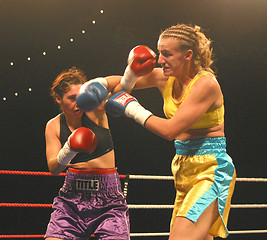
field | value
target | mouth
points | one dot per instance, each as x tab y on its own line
165	69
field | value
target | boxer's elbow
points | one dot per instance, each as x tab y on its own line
169	136
54	167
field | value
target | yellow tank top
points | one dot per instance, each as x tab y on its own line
211	118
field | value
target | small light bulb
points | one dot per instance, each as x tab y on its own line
4	98
83	31
44	53
16	94
101	11
30	89
29	58
11	63
71	39
93	21
58	47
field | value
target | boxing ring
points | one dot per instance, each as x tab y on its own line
132	207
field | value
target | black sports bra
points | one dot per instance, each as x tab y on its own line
103	135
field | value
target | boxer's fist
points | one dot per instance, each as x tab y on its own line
91	95
116	104
141	60
82	140
123	104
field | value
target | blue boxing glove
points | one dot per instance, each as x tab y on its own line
123	104
92	94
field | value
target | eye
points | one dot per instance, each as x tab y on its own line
72	97
166	53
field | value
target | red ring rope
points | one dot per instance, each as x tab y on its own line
43	205
22	236
8	172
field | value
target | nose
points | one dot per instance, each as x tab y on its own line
160	59
76	106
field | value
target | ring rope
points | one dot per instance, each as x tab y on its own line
167	233
32	205
248	205
8	172
251	179
152	206
138	234
23	236
34	173
144	177
147	177
130	206
247	231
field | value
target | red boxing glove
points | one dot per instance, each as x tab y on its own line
142	60
83	140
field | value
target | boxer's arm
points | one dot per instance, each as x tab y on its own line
91	97
53	146
203	96
154	79
141	61
81	140
139	73
113	82
92	94
123	104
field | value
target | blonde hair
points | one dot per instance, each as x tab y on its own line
191	37
65	79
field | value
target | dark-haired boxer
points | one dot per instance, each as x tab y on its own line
91	200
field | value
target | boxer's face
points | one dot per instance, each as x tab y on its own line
68	101
171	58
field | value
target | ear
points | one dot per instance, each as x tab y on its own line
188	55
58	99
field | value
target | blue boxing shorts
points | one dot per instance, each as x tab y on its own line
90	202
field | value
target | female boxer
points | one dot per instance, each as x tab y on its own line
90	200
204	174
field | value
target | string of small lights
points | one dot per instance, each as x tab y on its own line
59	47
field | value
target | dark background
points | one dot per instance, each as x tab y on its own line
29	27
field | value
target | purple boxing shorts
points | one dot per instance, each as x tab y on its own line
90	202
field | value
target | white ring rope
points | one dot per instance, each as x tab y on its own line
167	233
149	234
151	177
155	206
149	206
247	231
249	206
251	179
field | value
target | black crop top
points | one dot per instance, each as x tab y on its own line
103	135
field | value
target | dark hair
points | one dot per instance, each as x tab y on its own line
61	84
